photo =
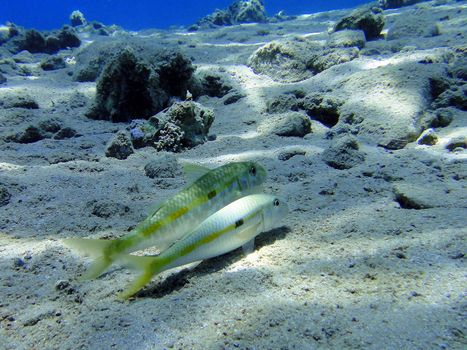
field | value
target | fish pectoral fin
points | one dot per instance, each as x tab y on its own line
248	235
248	247
194	171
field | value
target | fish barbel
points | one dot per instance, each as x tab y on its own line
231	227
175	217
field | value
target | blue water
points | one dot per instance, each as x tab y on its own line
138	14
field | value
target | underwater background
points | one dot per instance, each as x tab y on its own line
136	15
354	119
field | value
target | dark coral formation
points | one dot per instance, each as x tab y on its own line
43	42
133	86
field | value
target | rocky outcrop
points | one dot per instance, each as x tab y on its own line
119	146
296	60
52	63
343	154
241	11
368	19
77	19
183	125
133	86
47	42
21	100
347	38
286	124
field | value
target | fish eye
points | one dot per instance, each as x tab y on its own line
276	202
253	170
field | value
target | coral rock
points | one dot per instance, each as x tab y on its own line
120	146
370	20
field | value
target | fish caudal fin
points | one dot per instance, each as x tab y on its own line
95	248
149	266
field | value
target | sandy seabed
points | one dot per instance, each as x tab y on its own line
370	257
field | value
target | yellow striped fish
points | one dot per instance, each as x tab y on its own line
233	226
177	216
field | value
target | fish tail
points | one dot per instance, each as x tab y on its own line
148	265
95	248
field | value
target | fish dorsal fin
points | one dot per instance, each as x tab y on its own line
194	171
248	247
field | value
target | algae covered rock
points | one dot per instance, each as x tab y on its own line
455	96
133	87
30	134
128	89
428	137
215	85
283	103
52	63
347	38
283	61
248	11
343	154
296	60
183	125
119	146
164	165
32	41
330	57
77	19
286	124
368	19
68	37
38	42
323	108
22	100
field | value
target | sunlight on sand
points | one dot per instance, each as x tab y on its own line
248	155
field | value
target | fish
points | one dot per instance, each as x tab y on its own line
233	226
211	190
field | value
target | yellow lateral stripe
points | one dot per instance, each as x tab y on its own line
181	211
214	235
